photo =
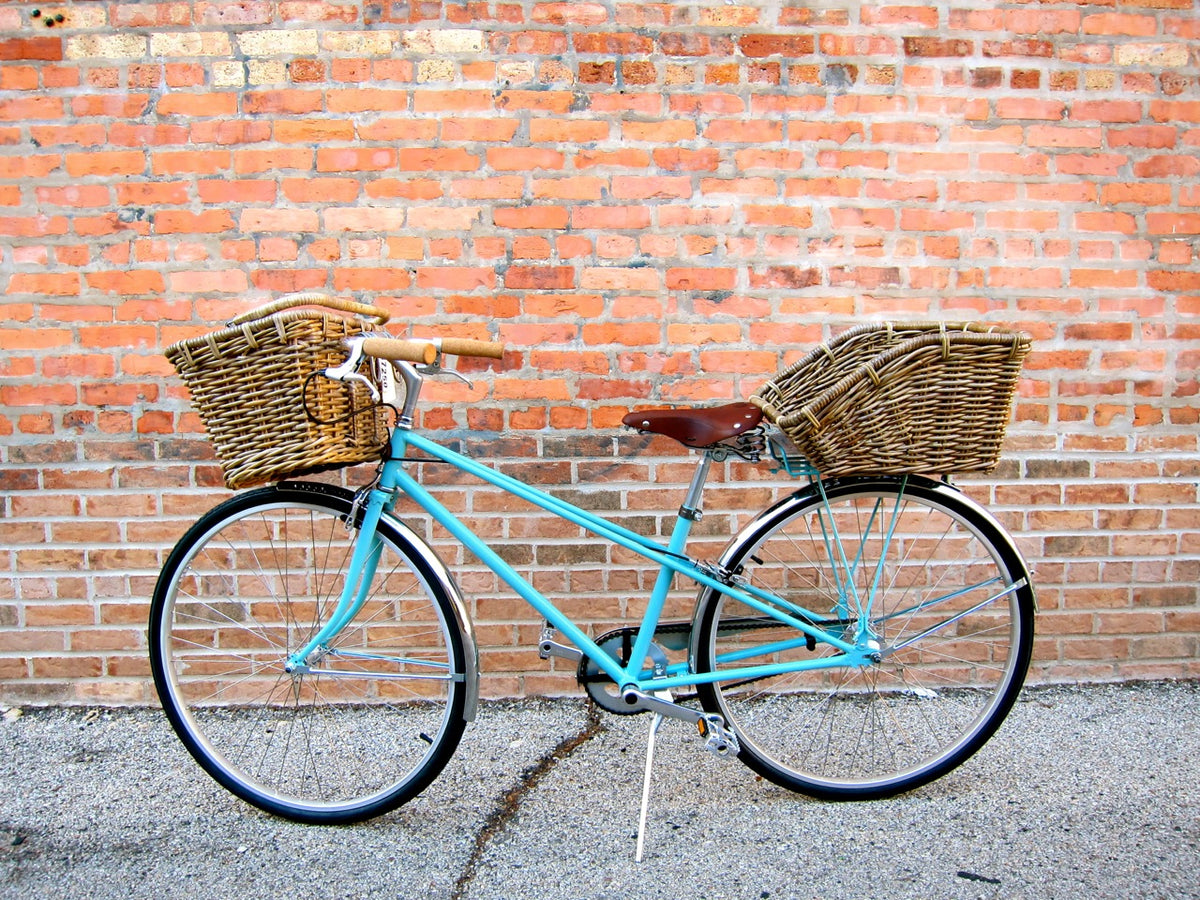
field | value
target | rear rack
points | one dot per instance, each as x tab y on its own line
784	452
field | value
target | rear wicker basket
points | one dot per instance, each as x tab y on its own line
920	397
250	383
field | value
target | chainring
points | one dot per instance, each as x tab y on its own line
605	692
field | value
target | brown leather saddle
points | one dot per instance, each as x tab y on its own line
697	427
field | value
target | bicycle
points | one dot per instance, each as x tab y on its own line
860	638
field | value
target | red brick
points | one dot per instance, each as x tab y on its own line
115	162
912	16
485	130
409	188
180	222
691	279
540	277
1063	136
525	159
744	132
788	45
312	131
627	187
542	101
133	281
1162	166
371	279
397	129
19	78
456	278
1107	111
570	130
617	278
937	47
37	48
437	160
498	188
543	217
611	217
366	100
77	196
190	162
355	160
1173	223
314	190
1120	24
52	283
205	105
1159	137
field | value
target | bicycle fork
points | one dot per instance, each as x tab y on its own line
361	572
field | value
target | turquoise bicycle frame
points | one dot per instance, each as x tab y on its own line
670	557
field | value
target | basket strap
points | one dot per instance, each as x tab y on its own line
290	301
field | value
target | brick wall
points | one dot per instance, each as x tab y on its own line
647	202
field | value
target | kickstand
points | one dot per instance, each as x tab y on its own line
641	840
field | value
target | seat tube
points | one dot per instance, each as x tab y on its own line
689	513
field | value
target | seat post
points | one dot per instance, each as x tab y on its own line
690	509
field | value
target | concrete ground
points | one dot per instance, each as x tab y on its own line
1085	792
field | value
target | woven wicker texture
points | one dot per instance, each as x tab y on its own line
247	381
898	397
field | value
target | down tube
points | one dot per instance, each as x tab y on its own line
512	578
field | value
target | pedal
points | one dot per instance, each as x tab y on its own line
718	739
548	647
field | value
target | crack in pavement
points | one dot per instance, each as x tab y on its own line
509	804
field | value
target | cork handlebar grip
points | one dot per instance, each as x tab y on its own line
406	351
468	347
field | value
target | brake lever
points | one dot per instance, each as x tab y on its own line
355	346
346	372
463	378
435	367
362	379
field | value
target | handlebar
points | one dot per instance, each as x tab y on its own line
421	351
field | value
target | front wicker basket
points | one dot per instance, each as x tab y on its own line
267	419
915	397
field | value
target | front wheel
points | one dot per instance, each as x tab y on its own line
908	566
376	713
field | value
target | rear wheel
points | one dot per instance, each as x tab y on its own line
947	599
376	714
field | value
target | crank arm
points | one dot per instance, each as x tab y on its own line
718	737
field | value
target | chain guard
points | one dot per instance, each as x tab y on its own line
605	692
